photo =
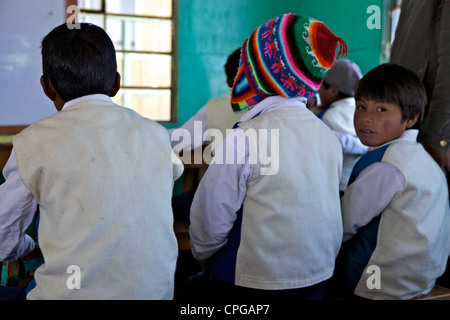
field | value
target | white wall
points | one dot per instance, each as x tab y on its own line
23	24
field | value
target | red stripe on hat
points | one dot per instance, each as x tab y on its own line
324	43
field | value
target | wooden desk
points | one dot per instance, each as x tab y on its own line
193	173
5	151
193	170
6	133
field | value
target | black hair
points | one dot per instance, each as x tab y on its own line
79	61
393	83
232	66
342	95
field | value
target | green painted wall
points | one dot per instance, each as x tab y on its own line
348	20
207	31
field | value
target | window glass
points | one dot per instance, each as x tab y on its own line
141	31
158	8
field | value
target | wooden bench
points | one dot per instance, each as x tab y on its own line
193	173
437	293
181	229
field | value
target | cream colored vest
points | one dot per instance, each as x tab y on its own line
102	176
413	230
291	227
339	117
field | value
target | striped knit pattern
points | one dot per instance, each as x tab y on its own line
287	56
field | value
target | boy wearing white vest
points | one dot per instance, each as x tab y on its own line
395	210
100	175
257	217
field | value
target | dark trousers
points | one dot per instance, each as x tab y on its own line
13	293
444	280
204	287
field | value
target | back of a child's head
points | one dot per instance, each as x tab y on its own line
79	61
345	75
287	56
232	65
392	83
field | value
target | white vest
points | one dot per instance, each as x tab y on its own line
339	117
102	176
291	227
413	230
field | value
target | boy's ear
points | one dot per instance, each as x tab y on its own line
411	122
48	88
116	85
51	93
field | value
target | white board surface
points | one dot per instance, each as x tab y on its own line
23	24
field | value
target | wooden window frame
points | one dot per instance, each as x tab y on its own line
171	53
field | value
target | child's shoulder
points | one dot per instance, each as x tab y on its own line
395	153
400	147
413	156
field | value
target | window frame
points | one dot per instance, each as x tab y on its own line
172	88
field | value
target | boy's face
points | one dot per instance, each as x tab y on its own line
377	123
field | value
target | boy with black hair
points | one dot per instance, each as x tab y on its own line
100	175
395	210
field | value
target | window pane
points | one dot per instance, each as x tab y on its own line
141	31
119	60
96	19
115	29
90	4
158	8
139	34
145	70
152	104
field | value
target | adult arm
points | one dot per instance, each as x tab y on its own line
435	133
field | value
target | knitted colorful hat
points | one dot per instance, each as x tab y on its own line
287	56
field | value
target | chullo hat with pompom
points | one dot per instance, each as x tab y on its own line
287	56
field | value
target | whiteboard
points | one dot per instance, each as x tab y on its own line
23	24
